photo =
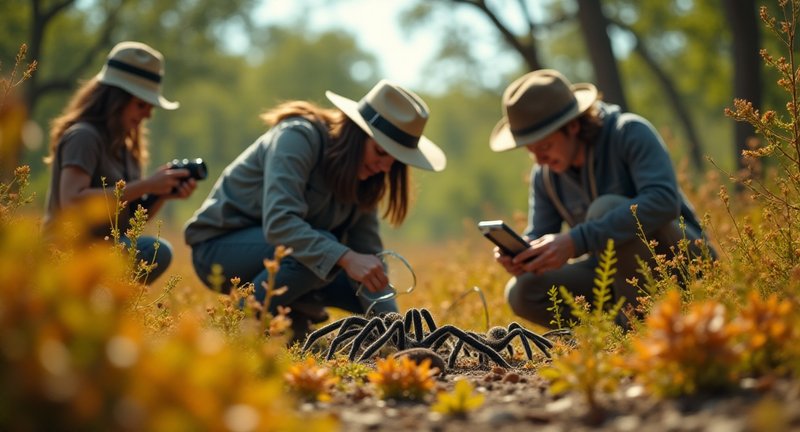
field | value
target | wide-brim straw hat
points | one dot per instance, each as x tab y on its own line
536	105
395	118
138	69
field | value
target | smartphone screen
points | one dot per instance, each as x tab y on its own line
509	242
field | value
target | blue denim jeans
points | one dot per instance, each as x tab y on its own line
242	253
147	252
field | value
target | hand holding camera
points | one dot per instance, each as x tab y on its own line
168	183
196	167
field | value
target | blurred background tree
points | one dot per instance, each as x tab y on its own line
676	62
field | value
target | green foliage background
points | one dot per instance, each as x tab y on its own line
223	83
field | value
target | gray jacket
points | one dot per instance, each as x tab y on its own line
630	159
277	184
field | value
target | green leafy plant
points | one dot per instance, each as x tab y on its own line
590	367
556	300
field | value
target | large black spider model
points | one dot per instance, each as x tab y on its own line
500	338
360	330
373	334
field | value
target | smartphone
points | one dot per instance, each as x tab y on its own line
509	242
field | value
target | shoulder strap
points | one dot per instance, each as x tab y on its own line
551	192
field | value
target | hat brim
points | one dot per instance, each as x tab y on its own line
502	139
140	92
426	155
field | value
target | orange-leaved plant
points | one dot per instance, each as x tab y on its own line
310	381
769	329
683	353
403	379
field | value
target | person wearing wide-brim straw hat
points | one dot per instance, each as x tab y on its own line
593	163
100	138
314	182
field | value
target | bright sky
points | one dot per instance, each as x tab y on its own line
375	25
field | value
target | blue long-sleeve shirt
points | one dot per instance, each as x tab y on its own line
630	159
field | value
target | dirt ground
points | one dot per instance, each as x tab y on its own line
518	400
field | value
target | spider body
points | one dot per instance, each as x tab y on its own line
367	336
500	338
434	339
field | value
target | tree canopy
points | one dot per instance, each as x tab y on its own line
225	69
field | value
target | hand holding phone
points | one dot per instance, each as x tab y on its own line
509	242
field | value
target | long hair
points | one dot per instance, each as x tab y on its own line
344	155
590	124
101	105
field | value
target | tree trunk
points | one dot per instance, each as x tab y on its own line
743	21
594	25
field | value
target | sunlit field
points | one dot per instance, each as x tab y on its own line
84	345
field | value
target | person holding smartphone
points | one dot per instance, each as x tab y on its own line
593	163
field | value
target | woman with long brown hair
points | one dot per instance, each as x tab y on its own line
101	138
313	183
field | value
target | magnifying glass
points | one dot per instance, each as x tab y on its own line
402	280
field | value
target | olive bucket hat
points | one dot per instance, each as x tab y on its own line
536	105
394	118
138	69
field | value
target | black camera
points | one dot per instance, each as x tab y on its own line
196	167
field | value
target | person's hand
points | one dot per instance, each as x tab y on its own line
548	252
171	183
366	269
507	263
184	189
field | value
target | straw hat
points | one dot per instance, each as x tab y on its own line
137	69
394	118
536	105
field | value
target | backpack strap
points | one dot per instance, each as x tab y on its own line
551	192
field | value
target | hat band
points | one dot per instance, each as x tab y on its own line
156	78
382	124
542	123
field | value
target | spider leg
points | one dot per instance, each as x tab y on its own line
437	344
468	340
541	342
451	360
397	328
426	314
414	318
375	323
327	329
480	338
340	338
506	342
